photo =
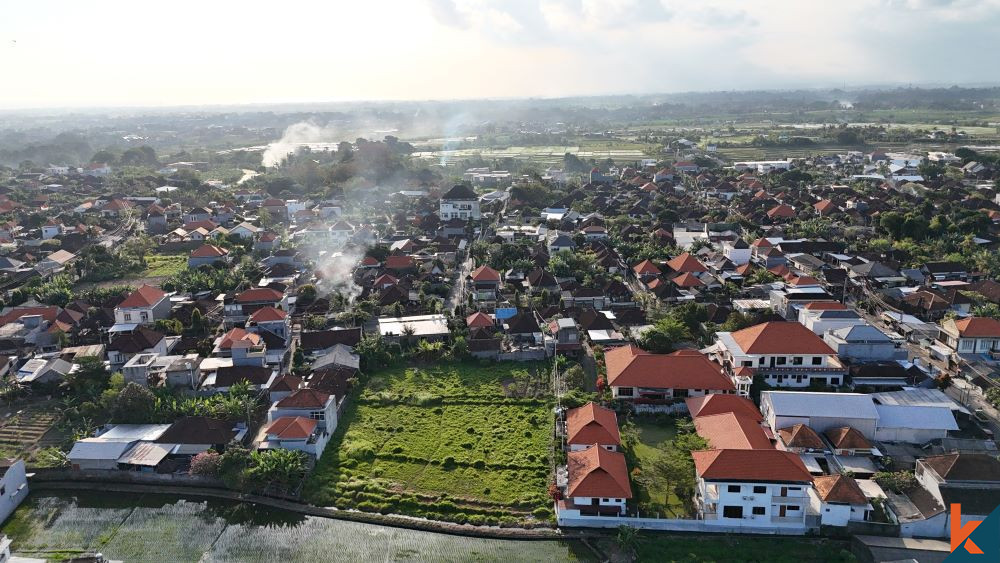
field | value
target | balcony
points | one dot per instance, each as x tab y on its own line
788	519
801	499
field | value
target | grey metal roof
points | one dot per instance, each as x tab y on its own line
861	333
916	417
833	405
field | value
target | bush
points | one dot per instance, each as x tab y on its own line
206	464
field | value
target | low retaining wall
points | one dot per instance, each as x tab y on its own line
676	525
136	477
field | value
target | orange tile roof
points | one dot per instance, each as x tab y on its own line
978	327
479	320
847	438
630	366
399	262
687	280
686	263
646	267
782	210
264	294
485	274
824	206
800	436
799	281
292	427
720	403
824	306
592	424
209	251
268	314
145	296
768	466
238	334
782	338
728	431
840	489
305	399
597	473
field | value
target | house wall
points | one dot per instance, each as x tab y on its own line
13	489
766	498
738	256
866	352
909	435
329	421
822	424
160	310
459	209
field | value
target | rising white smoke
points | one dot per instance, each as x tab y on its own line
295	136
336	271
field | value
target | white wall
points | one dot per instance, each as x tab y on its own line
13	489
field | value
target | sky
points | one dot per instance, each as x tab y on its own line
67	53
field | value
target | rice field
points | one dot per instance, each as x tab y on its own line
160	528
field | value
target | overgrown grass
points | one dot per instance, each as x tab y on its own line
462	442
655	498
164	265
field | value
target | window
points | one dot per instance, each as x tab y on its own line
794	488
605	500
624	391
748	363
733	488
760	361
732	512
782	360
144	316
797	360
759	510
834	381
317	415
759	489
792	507
128	316
817	360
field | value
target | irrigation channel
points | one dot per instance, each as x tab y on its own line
163	528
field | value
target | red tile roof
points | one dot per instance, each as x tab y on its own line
268	314
779	337
259	294
847	438
768	466
686	263
687	280
825	206
978	327
597	473
209	251
840	489
592	424
731	431
479	320
145	296
824	306
720	403
237	334
630	366
485	274
399	262
304	399
292	427
801	436
783	210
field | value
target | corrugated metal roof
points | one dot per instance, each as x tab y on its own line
833	405
916	417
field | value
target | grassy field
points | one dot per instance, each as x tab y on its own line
465	442
164	265
161	528
655	499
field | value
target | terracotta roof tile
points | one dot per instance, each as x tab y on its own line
782	338
772	466
592	424
595	472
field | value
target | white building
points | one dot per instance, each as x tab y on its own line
820	411
459	202
13	489
145	305
752	488
838	499
738	252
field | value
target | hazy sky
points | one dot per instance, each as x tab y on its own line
73	53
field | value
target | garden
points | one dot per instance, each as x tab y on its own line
464	442
658	451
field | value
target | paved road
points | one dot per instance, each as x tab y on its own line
458	289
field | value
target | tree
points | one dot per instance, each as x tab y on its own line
993	396
892	223
170	327
90	379
306	294
197	322
207	464
896	481
134	404
663	337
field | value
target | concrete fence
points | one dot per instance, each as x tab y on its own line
136	477
676	525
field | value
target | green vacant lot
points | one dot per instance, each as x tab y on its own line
463	442
654	498
164	265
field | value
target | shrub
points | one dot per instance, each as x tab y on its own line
206	463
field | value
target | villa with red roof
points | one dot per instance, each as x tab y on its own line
783	211
785	354
484	283
479	320
207	254
309	403
686	263
971	335
649	379
646	270
237	310
298	433
145	305
596	483
761	488
592	424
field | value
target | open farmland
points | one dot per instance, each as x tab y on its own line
160	528
463	442
164	265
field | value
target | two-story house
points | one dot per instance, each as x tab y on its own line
206	255
785	354
237	310
308	403
971	335
142	340
596	483
460	202
661	379
752	488
485	283
145	305
296	433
